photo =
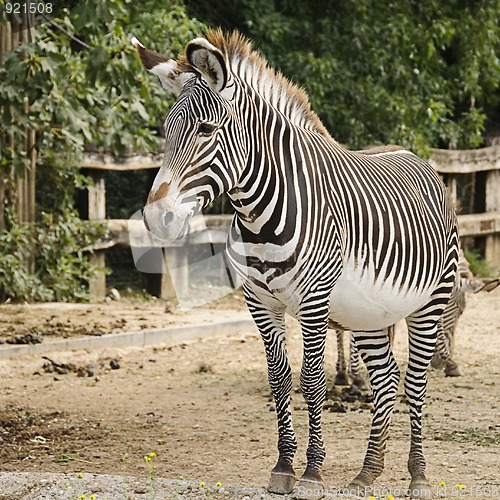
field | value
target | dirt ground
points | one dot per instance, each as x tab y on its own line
203	407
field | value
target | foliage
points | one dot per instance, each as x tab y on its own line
477	264
421	74
61	269
79	84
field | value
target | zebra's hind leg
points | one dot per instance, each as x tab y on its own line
376	352
271	325
422	335
443	352
358	379
342	377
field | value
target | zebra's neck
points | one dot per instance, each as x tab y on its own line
268	198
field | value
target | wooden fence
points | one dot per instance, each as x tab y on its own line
21	196
450	164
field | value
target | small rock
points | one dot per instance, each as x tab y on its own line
114	364
29	338
272	407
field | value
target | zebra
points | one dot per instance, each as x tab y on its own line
334	237
445	343
442	357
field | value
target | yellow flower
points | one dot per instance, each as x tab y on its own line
148	459
441	484
372	498
460	487
67	485
92	497
389	497
152	454
202	484
219	484
82	497
79	475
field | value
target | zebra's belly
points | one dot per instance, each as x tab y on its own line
358	303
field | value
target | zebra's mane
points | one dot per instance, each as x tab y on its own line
276	89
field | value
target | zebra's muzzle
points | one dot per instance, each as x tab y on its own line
169	224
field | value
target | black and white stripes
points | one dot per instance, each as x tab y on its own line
357	240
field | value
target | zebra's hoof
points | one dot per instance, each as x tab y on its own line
341	378
420	488
358	486
282	480
360	383
357	490
311	486
437	362
453	371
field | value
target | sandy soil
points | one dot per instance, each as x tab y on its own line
204	409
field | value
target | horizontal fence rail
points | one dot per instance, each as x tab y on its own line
124	232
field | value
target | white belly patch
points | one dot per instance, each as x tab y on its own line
356	303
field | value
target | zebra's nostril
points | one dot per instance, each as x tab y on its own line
168	218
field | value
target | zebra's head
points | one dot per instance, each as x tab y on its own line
205	145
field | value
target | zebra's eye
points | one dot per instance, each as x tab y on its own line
206	129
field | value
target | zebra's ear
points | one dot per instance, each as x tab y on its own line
209	61
165	69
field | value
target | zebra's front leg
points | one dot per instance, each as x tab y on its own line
271	324
313	386
376	352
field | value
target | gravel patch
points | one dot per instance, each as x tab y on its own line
45	486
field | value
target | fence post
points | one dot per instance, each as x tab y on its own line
451	184
173	281
97	212
11	36
177	272
492	250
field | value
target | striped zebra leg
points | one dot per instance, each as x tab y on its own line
354	365
443	351
271	324
314	324
376	352
342	377
422	332
424	327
